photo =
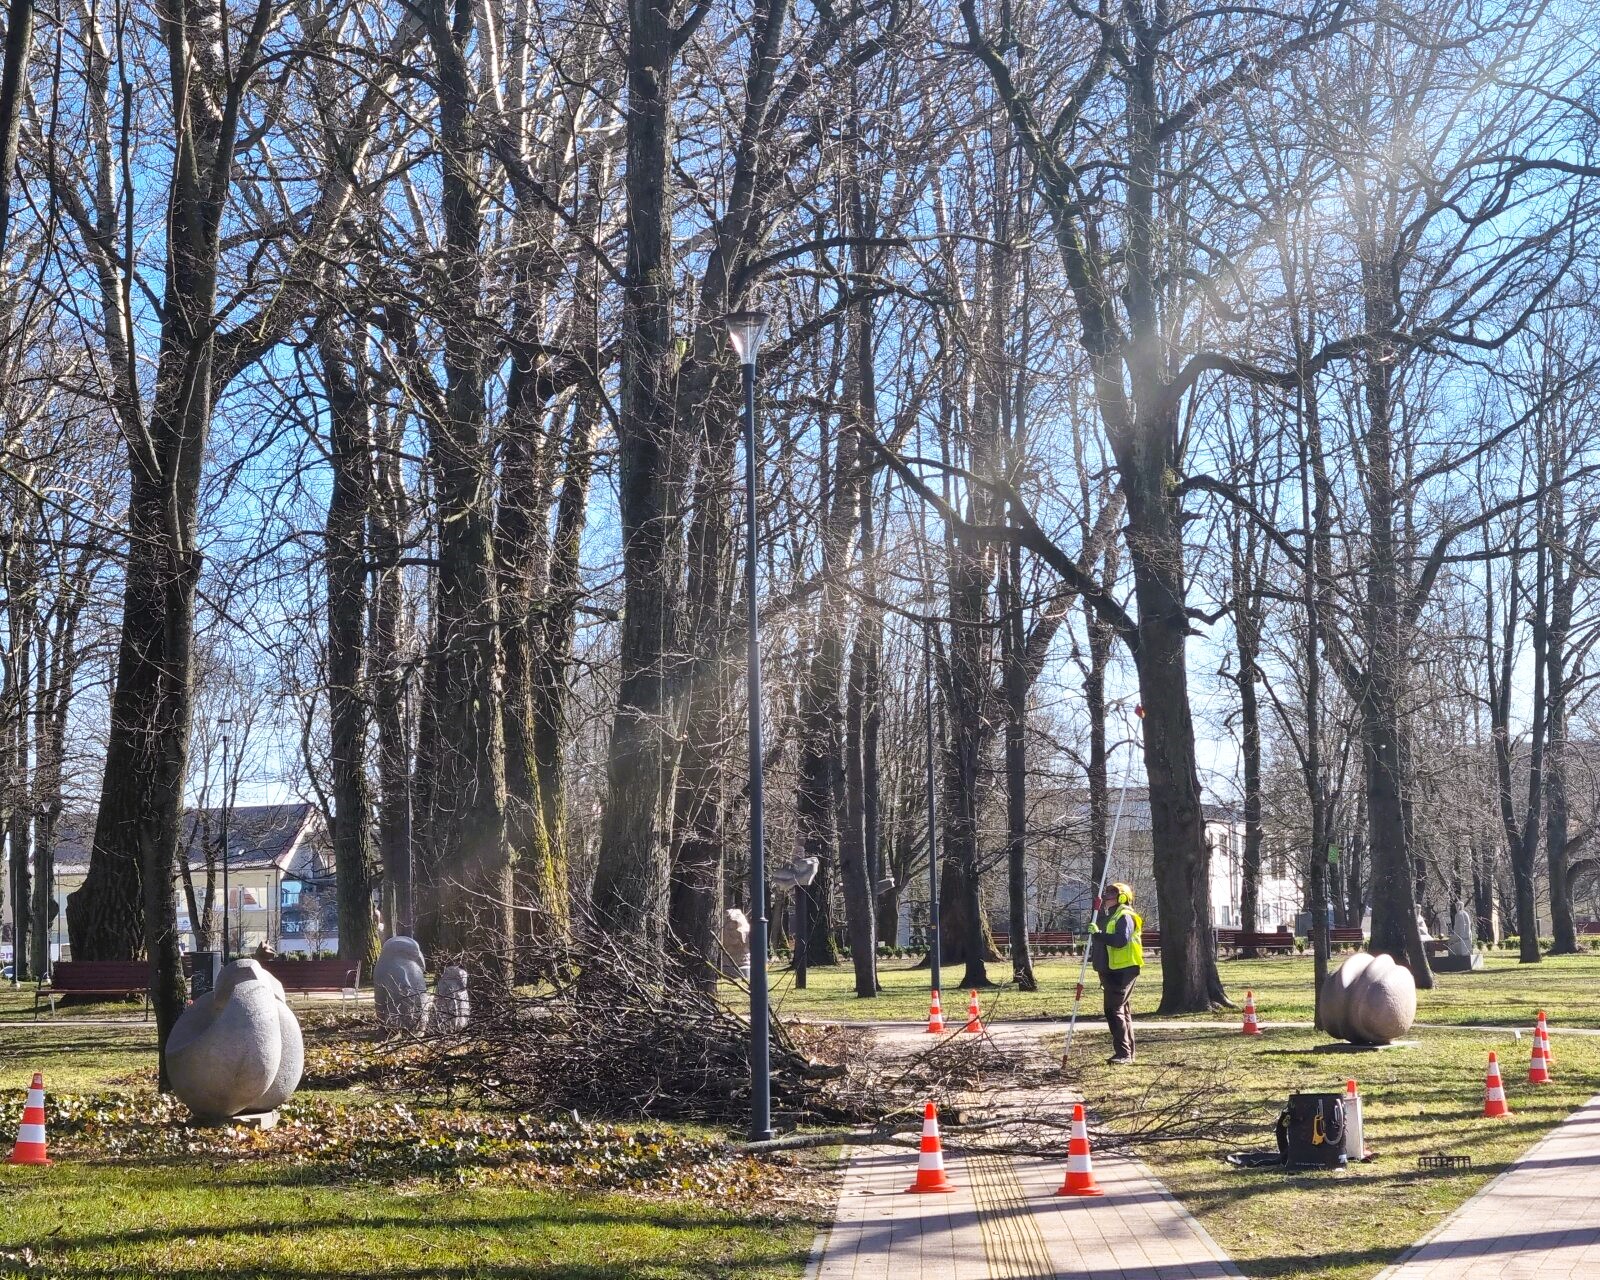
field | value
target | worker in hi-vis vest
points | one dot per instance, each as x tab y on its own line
1116	949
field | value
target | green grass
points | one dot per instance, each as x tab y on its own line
251	1220
251	1215
78	1059
16	1005
1416	1101
1504	992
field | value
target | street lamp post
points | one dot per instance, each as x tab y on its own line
933	810
745	329
223	725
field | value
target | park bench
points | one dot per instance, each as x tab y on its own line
1280	941
1348	937
121	979
1048	938
1152	939
305	977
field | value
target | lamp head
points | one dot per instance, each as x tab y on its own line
745	330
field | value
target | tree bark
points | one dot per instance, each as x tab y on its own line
630	889
1014	678
349	454
471	860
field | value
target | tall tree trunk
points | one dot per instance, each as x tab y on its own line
554	651
1015	680
1563	588
694	897
354	857
18	47
854	862
630	889
472	862
389	680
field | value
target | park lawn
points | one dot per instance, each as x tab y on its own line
208	1215
1417	1101
82	1058
271	1222
17	1005
1503	993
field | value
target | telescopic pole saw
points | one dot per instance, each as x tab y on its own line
1099	895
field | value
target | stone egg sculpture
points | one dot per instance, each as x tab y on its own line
237	1050
400	986
451	1007
1369	1000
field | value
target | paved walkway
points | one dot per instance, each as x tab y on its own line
1005	1222
1540	1218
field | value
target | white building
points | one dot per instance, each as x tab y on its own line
279	877
1062	891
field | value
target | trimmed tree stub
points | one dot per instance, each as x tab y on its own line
1369	1000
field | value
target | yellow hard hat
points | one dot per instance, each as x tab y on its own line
1122	892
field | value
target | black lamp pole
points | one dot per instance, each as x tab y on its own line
745	329
933	811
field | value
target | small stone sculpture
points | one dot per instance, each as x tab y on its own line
1369	1000
735	943
451	1008
237	1050
1462	958
400	986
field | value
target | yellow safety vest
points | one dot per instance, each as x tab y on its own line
1132	955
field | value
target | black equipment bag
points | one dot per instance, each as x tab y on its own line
1311	1131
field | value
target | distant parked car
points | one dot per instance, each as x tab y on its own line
9	972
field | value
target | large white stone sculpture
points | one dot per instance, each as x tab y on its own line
735	943
451	1007
1369	1000
237	1050
400	986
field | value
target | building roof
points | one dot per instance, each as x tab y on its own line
288	837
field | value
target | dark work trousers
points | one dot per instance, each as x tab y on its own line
1117	985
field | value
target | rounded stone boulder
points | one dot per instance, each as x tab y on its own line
1369	1000
238	1048
400	985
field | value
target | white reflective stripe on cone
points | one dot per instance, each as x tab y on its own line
31	1133
1079	1164
1496	1095
930	1160
35	1098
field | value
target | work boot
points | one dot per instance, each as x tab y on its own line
1119	1060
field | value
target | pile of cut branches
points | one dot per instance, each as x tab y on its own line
605	1035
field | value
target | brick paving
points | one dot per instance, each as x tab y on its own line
1005	1222
1541	1217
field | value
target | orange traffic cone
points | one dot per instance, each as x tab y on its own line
930	1163
1080	1169
30	1136
1538	1066
974	1023
935	1015
1494	1093
1251	1026
1541	1033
